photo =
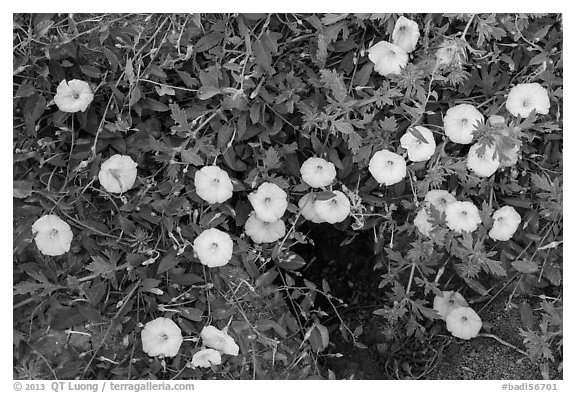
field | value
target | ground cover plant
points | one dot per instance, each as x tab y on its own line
256	196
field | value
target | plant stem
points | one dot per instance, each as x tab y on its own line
506	343
410	279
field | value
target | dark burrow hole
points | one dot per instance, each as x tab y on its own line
346	260
347	265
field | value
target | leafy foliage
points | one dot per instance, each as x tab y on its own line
257	94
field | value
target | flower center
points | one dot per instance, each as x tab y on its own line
214	246
464	121
215	181
525	103
319	168
463	213
500	219
390	162
402	28
164	337
334	202
53	233
267	200
75	96
464	319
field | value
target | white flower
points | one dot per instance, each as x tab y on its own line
306	205
439	199
317	172
448	302
118	173
161	337
213	247
482	165
506	221
52	235
73	96
463	322
462	216
447	52
269	202
526	97
206	357
264	232
213	184
333	210
405	34
417	149
387	167
387	58
213	337
460	122
422	222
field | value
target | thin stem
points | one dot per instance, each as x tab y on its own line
467	27
410	279
506	343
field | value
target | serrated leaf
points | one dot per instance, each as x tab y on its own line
191	157
272	159
525	266
335	82
100	266
29	287
495	267
343	126
354	142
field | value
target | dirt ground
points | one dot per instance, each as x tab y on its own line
349	271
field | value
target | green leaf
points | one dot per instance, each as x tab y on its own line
192	314
263	55
289	260
272	159
21	189
207	92
208	41
525	266
343	126
33	108
135	95
191	157
354	142
168	262
335	82
100	267
418	135
90	71
154	105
